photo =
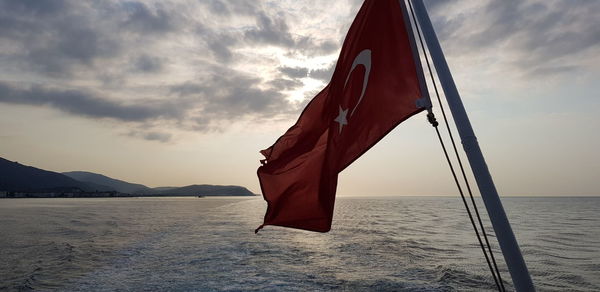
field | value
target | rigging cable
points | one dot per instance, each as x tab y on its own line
430	116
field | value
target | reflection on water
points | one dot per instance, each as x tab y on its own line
395	244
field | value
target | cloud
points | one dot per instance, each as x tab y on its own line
203	65
273	31
52	38
532	36
294	72
144	19
230	95
285	84
87	104
153	65
148	64
270	28
229	7
156	136
219	43
61	38
224	95
218	7
323	74
151	135
552	70
33	8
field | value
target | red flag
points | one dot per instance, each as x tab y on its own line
375	86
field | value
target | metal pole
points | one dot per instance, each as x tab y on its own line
506	238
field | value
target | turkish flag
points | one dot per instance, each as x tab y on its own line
375	86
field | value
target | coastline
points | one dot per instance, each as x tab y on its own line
32	195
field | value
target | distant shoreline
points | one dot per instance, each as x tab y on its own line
123	195
22	181
22	195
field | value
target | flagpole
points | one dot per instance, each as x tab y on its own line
506	238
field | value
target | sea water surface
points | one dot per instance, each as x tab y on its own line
208	244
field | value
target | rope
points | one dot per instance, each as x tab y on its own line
430	116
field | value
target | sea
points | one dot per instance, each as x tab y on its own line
208	244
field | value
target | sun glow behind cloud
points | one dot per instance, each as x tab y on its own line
157	79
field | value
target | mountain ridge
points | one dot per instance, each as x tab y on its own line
19	178
100	179
203	190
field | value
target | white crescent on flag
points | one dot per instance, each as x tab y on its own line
363	58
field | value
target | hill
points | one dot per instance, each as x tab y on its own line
22	178
142	190
15	177
202	190
117	185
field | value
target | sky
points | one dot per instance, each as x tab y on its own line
180	92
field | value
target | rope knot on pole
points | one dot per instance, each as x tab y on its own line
431	118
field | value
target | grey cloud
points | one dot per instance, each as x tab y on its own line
241	100
151	135
285	84
328	46
309	46
187	89
62	38
142	18
552	70
227	95
504	19
323	74
35	8
86	104
85	48
269	30
219	43
228	7
157	136
244	7
536	32
231	94
148	64
77	46
218	7
221	48
565	30
446	24
294	72
222	96
275	31
53	35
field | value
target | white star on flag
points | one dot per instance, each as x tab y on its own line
341	118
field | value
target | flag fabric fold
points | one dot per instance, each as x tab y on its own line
377	84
